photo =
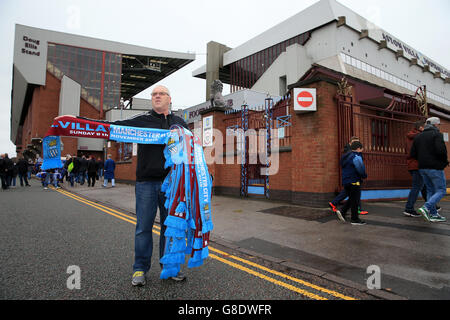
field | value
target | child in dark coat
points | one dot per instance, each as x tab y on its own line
353	172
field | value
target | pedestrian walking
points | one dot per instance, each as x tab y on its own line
22	167
343	194
42	175
353	172
30	168
413	168
76	169
92	171
14	173
110	166
82	172
100	166
3	171
67	162
431	153
9	167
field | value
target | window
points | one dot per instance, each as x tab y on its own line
387	76
85	67
283	85
364	66
124	151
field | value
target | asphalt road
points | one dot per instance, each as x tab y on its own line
46	234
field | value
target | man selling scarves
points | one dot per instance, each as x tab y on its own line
150	174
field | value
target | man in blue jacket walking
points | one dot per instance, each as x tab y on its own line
353	172
109	168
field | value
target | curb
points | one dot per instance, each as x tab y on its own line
378	293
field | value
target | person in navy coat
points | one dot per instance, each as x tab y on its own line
109	167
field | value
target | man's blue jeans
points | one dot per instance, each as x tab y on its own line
436	188
81	177
72	178
417	186
148	198
48	179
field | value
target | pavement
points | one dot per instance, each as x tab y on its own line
412	256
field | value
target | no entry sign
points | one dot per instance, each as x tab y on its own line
305	99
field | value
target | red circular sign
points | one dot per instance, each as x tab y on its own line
305	99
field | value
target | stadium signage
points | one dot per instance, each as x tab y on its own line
31	46
414	54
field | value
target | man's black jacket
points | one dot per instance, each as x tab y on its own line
92	166
7	166
2	166
150	157
429	149
76	165
22	166
83	165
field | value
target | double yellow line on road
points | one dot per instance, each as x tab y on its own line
132	220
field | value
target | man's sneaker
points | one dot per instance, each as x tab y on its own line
438	209
411	213
437	218
363	212
179	277
333	207
340	215
358	222
138	278
425	213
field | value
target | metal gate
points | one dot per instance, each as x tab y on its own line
382	132
254	127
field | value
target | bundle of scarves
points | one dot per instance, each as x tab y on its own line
188	192
187	186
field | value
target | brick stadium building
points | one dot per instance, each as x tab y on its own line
368	84
57	73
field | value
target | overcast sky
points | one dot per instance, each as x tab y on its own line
187	25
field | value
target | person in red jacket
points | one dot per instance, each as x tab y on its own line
413	168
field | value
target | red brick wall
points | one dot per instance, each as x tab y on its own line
225	175
126	171
44	107
315	144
